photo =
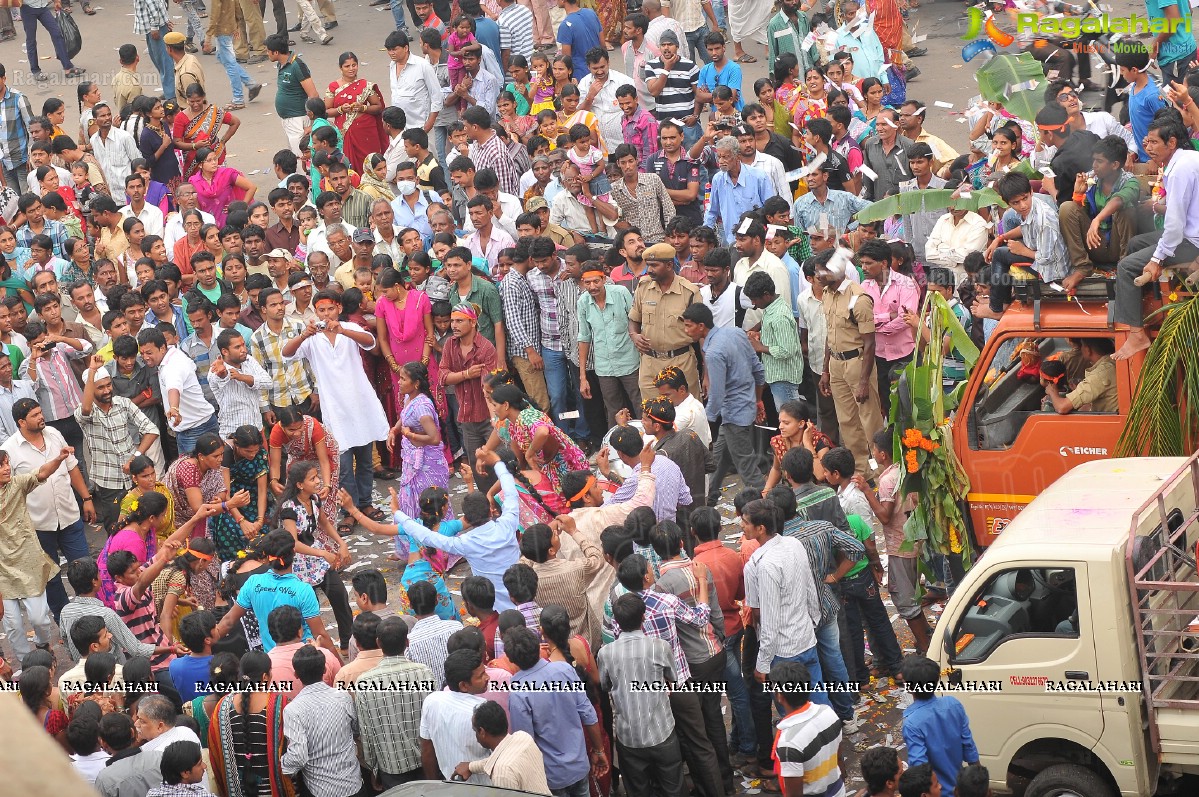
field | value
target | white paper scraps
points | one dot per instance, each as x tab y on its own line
772	230
1057	287
977	99
880	118
1045	170
961	120
920	38
823	221
867	172
569	415
965	195
778	34
840	261
940	104
745	225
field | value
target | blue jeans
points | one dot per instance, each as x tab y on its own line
691	134
828	647
742	739
238	77
71	543
357	475
187	440
562	382
162	62
783	392
721	13
580	789
29	19
761	702
441	140
397	13
696	39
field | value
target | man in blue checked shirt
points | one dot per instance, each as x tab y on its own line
736	189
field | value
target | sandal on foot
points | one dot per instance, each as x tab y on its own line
746	59
345	525
76	72
235	106
375	514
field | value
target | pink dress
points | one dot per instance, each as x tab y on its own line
124	540
215	196
406	334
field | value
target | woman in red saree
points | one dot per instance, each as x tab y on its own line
199	125
357	107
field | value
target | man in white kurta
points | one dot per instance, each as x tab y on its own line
349	405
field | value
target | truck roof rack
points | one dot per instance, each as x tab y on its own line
1162	573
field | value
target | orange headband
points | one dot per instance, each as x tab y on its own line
278	559
465	311
1053	128
586	488
662	421
1053	379
204	557
594	272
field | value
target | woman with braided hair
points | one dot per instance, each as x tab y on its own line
246	734
535	438
539	503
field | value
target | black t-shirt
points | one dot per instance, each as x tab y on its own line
785	151
1072	158
837	169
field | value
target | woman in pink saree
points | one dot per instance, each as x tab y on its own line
218	185
405	331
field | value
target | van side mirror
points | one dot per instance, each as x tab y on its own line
948	646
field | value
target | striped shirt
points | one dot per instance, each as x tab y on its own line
778	582
388	701
806	748
820	539
291	381
57	387
320	725
521	323
240	404
141	619
427	645
547	303
642	718
516	30
532	612
122	637
677	99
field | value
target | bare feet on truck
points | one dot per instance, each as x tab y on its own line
1137	341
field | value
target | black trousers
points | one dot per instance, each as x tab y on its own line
697	749
712	671
651	771
279	9
335	591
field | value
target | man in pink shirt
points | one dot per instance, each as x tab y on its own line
285	623
894	294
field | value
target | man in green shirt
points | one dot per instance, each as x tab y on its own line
603	310
1100	220
785	33
466	287
295	86
777	339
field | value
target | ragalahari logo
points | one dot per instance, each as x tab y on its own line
981	22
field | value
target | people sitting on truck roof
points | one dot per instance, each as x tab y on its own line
1097	390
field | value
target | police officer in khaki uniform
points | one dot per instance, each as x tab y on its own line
848	374
656	320
187	67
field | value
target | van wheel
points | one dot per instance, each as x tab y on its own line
1068	780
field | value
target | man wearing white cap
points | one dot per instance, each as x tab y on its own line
106	420
278	268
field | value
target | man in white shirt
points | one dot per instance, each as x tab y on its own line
447	735
750	241
186	199
659	23
150	216
414	86
187	411
114	149
720	293
812	335
598	91
394	122
750	156
51	505
955	235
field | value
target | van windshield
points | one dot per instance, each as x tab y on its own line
1019	602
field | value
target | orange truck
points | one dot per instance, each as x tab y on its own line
1010	448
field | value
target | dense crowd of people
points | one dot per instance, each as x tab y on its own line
573	260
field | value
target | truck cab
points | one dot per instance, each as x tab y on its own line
1010	448
1073	642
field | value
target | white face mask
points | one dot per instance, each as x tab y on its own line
407	187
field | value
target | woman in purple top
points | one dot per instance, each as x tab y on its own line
219	185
